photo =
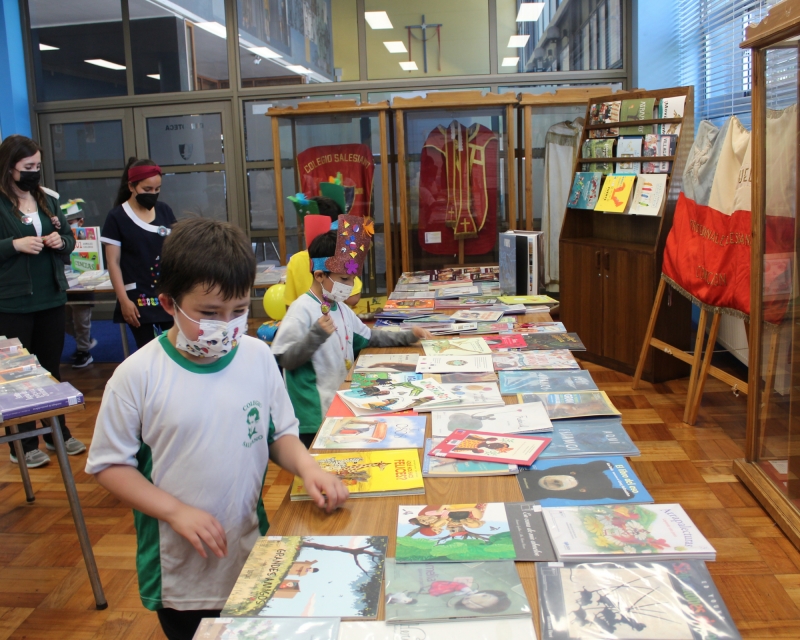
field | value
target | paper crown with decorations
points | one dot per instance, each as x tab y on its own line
353	239
303	205
335	190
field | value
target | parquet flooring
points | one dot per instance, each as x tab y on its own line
45	593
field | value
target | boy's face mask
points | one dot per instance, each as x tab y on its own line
214	337
339	291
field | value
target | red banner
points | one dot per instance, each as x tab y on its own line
354	161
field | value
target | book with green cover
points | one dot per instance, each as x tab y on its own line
636	109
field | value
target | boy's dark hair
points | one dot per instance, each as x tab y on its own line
209	253
323	246
328	207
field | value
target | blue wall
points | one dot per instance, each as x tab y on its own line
14	107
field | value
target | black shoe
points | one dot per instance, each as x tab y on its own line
82	359
92	345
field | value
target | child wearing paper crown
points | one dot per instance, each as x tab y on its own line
320	337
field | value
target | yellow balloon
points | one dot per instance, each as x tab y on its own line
273	302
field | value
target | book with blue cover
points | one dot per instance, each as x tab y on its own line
589	437
38	400
513	382
585	190
561	482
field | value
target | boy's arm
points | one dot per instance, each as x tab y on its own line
398	338
299	352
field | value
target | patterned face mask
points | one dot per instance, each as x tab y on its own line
214	338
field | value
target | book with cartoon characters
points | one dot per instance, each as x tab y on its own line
623	532
392	397
514	382
291	576
454	468
490	447
368	474
455	347
267	629
572	404
559	482
509	418
371	432
453	590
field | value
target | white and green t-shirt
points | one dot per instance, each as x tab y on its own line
202	434
313	385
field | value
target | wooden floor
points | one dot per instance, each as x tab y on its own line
45	593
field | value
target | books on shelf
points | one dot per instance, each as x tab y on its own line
636	109
474	532
504	629
629	148
453	590
561	482
455	346
509	418
656	144
38	400
555	359
267	629
490	447
598	149
521	264
454	364
604	113
648	195
572	404
390	362
615	193
464	315
625	532
376	432
290	576
589	437
585	190
671	108
369	474
453	468
513	382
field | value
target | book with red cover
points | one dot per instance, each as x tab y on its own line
339	409
486	446
499	342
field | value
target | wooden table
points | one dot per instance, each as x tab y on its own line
378	516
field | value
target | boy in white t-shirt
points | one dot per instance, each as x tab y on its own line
187	427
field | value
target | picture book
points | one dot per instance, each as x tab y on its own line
576	481
589	437
390	305
370	473
27	384
555	359
658	145
572	404
391	362
636	109
509	418
505	341
541	327
391	397
454	364
585	190
38	400
414	279
528	300
537	341
625	532
513	382
648	195
478	301
412	287
411	295
453	468
490	446
361	379
10	345
671	108
676	600
465	315
473	394
481	532
267	629
432	318
21	373
453	590
88	253
604	113
455	347
402	314
504	629
615	193
379	432
456	292
598	149
290	576
462	378
629	148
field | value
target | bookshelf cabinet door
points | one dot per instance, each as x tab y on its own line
581	287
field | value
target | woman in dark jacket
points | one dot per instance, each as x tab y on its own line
33	236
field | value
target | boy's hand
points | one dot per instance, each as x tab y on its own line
422	334
325	489
326	323
199	527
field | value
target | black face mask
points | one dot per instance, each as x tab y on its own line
28	180
147	200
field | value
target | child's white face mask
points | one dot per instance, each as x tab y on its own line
339	291
214	337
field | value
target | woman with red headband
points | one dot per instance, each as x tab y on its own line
134	233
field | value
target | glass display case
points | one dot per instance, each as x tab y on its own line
771	469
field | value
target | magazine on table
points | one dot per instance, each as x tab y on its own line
390	397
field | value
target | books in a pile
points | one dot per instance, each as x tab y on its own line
572	404
454	468
511	418
490	447
371	432
38	400
27	384
589	437
555	359
513	382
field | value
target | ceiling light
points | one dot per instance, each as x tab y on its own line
105	63
409	65
297	68
47	47
265	52
215	27
396	46
154	76
517	42
510	62
378	19
530	11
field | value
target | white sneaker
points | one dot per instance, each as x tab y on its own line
73	447
33	459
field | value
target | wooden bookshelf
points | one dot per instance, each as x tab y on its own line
610	264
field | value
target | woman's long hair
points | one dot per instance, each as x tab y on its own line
124	193
13	149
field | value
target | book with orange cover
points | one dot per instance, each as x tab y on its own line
392	305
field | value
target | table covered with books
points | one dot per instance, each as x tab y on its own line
463	549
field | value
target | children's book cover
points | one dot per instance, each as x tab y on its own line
379	432
514	382
411	295
585	189
675	600
465	315
536	341
267	629
599	149
629	148
439	318
527	300
575	481
604	113
412	287
589	437
576	192
572	404
393	397
671	108
555	359
452	590
454	364
505	341
491	447
484	328
370	473
648	195
291	576
636	109
389	362
414	279
455	347
453	468
474	394
615	193
658	145
504	629
391	305
38	400
541	327
456	292
510	418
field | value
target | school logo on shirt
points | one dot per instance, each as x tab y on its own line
254	425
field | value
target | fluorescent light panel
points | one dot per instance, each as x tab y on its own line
297	68
106	64
530	11
396	46
517	42
510	62
378	19
47	47
214	27
265	52
154	76
409	65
